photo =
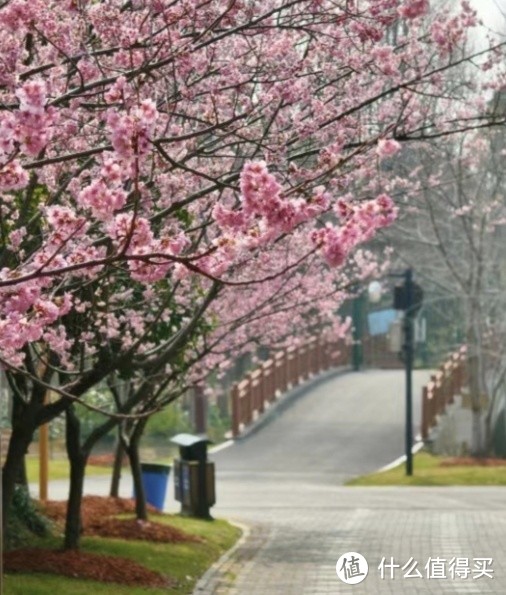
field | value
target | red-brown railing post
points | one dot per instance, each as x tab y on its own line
286	370
302	362
442	389
290	364
278	372
309	358
249	400
235	411
425	413
325	356
296	366
433	407
314	356
261	390
438	394
303	367
272	376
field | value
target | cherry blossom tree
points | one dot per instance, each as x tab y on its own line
161	161
240	320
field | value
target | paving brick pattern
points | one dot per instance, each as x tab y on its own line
293	548
285	483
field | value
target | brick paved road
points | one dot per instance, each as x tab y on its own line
285	483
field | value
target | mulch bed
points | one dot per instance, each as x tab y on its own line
143	530
98	519
93	508
76	564
479	461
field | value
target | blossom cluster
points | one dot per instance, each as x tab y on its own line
150	149
131	132
28	130
358	225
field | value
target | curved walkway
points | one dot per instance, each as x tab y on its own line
285	483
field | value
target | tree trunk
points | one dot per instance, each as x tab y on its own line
77	458
14	469
14	465
132	450
489	429
476	406
116	469
477	449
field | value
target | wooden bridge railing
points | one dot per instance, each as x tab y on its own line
286	369
442	389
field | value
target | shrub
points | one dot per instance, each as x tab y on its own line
25	521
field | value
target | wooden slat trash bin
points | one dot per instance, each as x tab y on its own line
194	483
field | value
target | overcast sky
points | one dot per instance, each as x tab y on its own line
490	12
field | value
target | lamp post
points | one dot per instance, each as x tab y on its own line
407	297
408	362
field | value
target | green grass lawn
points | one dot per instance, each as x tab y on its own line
428	470
59	469
186	562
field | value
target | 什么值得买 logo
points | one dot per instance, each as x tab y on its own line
352	568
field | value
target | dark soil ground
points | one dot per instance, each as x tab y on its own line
98	518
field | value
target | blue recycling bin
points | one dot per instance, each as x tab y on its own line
154	479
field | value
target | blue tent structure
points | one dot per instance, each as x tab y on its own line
379	322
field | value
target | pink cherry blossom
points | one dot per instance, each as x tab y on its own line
12	176
411	9
102	200
387	147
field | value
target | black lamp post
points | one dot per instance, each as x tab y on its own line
408	297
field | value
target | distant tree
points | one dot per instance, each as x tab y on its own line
451	230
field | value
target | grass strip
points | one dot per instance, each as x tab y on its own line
432	470
59	469
186	562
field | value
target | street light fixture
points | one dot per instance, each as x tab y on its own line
375	291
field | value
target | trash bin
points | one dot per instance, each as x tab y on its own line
154	479
194	476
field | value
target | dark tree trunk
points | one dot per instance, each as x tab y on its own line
116	469
14	470
135	431
22	478
13	467
132	450
77	458
17	420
